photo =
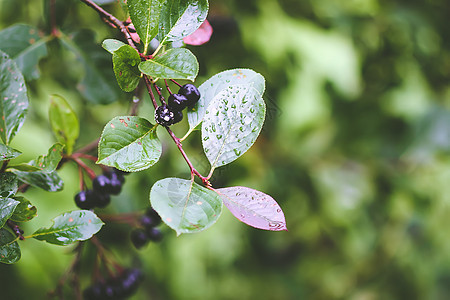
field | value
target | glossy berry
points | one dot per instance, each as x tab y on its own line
177	117
85	199
120	172
116	182
177	102
191	92
149	222
94	292
164	116
154	234
139	238
152	213
101	200
101	184
129	282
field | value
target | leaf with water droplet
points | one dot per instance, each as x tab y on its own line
176	63
145	15
112	45
216	84
125	64
7	152
8	184
185	206
25	211
9	248
7	207
179	19
50	182
13	99
78	225
253	207
229	139
129	144
26	46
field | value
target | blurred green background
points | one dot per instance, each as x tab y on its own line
355	150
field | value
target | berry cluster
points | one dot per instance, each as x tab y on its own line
141	236
103	186
120	287
171	113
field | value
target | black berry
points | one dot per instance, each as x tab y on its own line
152	213
101	184
116	182
191	92
177	117
164	116
177	102
129	282
101	200
149	222
154	234
139	238
85	199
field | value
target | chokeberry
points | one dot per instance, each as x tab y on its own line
164	116
116	182
177	117
101	184
129	282
177	102
139	238
149	222
154	234
101	200
94	292
152	213
191	92
85	199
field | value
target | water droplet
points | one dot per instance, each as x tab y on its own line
213	128
206	138
237	152
241	129
252	110
233	105
219	136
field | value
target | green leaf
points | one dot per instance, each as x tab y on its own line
23	167
8	184
179	19
78	225
213	86
49	162
9	248
97	85
125	62
232	123
7	207
112	45
184	205
64	122
50	182
25	46
13	99
129	144
145	15
25	211
176	63
7	152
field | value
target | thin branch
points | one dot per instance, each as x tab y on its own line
167	86
112	20
150	92
88	170
89	147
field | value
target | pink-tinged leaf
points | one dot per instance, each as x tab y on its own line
253	207
200	36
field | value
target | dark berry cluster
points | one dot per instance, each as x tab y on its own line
141	236
103	186
171	113
120	287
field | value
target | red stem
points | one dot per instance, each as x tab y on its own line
175	82
167	86
88	170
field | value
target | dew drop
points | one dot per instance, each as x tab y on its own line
237	152
252	110
219	136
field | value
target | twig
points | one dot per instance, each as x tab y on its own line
150	92
167	86
89	147
16	229
88	170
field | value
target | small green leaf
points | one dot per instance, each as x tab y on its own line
25	46
50	182
232	123
8	184
97	84
78	225
7	207
125	62
179	19
49	162
112	45
25	211
145	15
64	122
24	167
213	86
184	205
9	248
7	152
176	63
129	144
13	99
